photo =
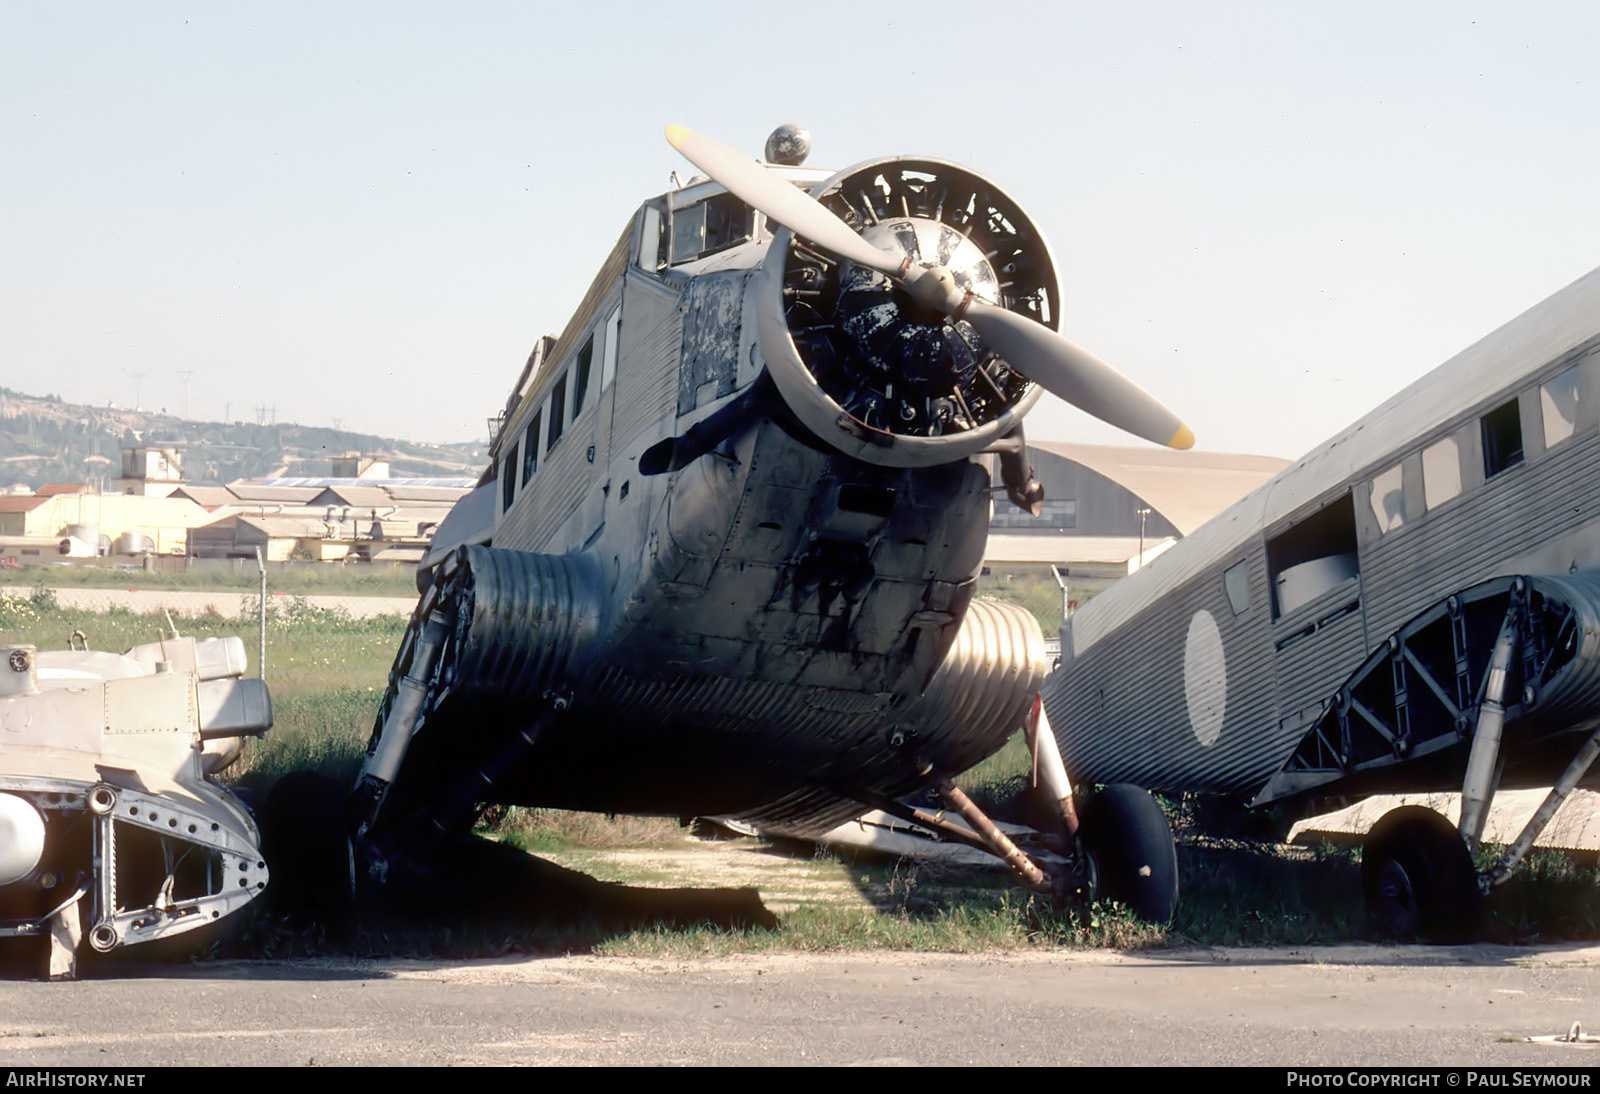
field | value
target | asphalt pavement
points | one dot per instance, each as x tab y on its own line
1341	1006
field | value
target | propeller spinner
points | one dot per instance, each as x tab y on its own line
1049	360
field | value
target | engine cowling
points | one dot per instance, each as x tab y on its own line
862	364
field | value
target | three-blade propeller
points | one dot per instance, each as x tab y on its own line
1036	351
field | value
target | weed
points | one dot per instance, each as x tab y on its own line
1549	896
996	784
553	828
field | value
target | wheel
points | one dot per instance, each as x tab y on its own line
1130	843
1418	879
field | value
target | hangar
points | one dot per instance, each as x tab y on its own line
1110	508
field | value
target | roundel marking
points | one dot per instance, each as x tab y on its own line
1205	679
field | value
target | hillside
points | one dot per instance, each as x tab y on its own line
43	439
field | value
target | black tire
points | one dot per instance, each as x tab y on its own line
1129	841
1418	879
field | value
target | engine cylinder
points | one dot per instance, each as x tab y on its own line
859	361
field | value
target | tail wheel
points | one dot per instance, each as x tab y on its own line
1130	843
1419	881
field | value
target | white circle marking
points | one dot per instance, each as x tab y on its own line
1205	678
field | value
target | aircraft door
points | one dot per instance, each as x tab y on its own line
1318	630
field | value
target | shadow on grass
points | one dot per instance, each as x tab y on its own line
1241	894
1236	893
1230	894
473	898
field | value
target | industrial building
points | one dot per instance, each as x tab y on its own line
357	513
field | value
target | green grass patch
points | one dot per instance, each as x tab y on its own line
997	784
1012	922
1549	897
1256	894
1039	593
367	579
326	671
550	829
324	731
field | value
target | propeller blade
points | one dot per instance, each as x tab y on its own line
1040	354
1076	375
779	199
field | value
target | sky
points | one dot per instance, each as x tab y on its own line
1270	215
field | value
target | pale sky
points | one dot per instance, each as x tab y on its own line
1270	215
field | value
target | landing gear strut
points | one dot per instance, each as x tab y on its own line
1121	850
1488	670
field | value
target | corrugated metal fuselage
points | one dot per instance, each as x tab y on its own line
1170	682
769	617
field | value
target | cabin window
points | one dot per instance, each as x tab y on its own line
508	479
530	450
1389	498
1441	472
712	225
1558	403
651	239
1502	439
580	378
608	351
1313	557
1236	582
558	411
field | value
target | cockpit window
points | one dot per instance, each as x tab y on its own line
652	239
714	224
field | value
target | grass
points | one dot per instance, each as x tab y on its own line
536	830
1015	923
997	783
367	579
1039	593
1233	893
327	673
1549	897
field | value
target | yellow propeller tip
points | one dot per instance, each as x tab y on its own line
1183	438
676	135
